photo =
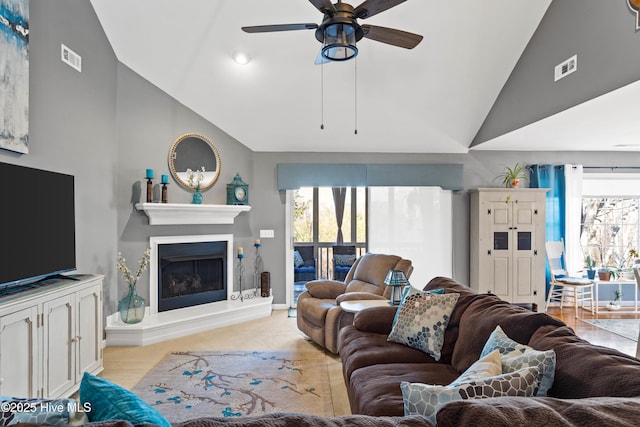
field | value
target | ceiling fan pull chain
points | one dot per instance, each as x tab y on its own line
355	94
322	96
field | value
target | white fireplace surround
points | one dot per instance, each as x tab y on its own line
161	326
169	240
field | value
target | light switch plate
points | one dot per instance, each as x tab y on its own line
267	234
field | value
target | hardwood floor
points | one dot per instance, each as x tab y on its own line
128	365
593	334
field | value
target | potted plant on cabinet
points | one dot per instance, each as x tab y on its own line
511	176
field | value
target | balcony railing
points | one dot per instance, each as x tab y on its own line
324	256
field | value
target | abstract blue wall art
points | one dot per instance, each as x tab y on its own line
14	75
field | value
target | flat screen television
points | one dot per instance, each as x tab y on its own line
37	224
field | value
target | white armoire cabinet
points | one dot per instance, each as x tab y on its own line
508	243
49	336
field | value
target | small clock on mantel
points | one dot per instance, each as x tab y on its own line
237	192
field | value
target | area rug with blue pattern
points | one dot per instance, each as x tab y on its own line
194	384
628	328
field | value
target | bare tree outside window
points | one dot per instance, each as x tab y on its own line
609	231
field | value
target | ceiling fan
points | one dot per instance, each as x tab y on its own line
340	31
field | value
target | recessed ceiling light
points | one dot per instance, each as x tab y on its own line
241	58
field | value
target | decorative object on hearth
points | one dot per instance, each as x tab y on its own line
190	152
237	191
397	280
132	306
340	31
511	177
149	178
257	269
195	178
240	274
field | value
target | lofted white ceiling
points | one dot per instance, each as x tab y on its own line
432	99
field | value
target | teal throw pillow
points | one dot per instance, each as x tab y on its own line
297	259
109	401
421	320
516	356
425	400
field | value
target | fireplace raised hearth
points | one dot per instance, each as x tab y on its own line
188	276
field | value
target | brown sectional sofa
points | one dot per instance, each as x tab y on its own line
603	379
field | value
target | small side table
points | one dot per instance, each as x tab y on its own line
358	305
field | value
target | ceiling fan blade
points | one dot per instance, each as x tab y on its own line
280	27
324	6
372	7
321	59
392	36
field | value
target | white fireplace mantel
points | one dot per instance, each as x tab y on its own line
186	213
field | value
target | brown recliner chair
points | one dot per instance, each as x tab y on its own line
319	315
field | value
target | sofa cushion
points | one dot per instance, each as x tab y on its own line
480	319
540	411
517	356
421	321
425	400
298	261
375	390
302	420
359	349
585	370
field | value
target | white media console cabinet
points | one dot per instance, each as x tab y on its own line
49	336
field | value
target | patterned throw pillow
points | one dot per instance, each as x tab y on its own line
36	411
422	319
425	400
488	366
516	356
344	260
297	259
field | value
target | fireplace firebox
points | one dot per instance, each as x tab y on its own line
191	274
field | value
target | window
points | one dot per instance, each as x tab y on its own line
609	230
315	223
610	224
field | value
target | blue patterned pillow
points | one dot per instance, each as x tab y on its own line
488	366
297	259
36	411
109	401
422	319
425	400
516	356
344	260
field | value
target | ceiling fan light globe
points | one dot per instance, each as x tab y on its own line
340	42
339	52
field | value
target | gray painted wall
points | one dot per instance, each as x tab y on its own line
73	122
601	33
149	121
107	125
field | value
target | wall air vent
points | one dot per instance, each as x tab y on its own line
71	58
565	68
